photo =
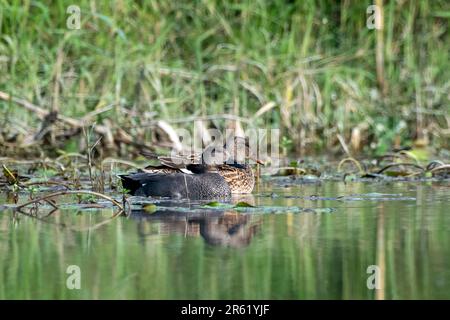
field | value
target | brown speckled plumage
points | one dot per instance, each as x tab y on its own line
240	180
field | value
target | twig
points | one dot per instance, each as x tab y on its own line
433	164
55	207
351	159
60	193
226	116
445	166
98	225
344	145
56	183
71	155
125	162
95	113
42	113
126	204
51	163
400	164
62	225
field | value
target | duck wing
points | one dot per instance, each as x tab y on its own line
173	164
160	169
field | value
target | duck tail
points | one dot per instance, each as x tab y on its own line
130	183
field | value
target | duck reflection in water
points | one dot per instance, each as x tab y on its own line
229	229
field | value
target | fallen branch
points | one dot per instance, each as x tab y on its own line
54	183
77	192
443	167
120	161
71	155
42	113
354	161
433	164
400	164
63	225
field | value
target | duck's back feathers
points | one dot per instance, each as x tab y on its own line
198	176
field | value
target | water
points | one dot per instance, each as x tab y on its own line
319	248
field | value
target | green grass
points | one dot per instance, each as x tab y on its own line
167	60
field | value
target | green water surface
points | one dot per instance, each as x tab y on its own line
402	228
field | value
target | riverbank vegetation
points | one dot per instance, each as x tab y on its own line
137	70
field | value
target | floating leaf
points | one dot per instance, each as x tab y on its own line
216	204
150	208
243	204
293	164
419	154
213	204
291	171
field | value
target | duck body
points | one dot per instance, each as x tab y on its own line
177	185
239	177
213	174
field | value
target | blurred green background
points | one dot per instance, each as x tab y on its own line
311	68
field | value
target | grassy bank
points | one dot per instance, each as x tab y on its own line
311	68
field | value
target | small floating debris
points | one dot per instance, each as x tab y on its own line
216	204
245	207
215	207
150	208
375	197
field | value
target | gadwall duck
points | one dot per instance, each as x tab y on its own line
218	175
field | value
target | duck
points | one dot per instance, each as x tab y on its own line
215	173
